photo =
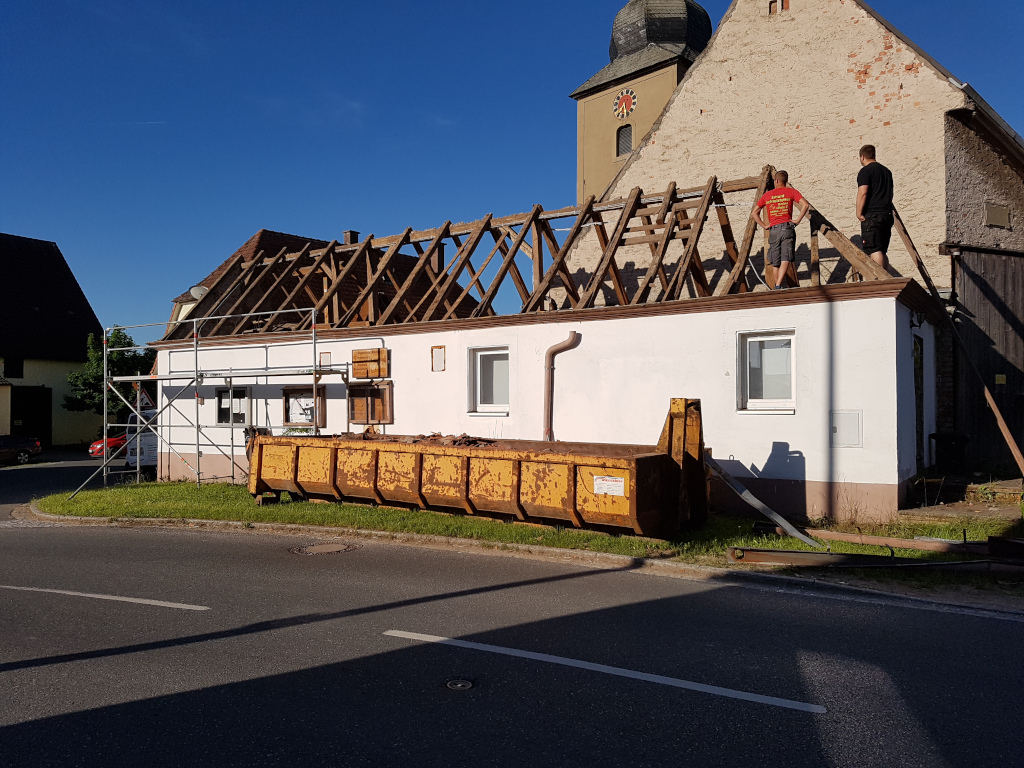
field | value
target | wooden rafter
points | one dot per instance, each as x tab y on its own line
347	285
608	256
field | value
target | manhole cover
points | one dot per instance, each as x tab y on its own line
459	685
324	548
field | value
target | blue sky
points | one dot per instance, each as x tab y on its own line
150	140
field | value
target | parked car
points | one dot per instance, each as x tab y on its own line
113	443
19	450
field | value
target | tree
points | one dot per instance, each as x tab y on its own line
87	383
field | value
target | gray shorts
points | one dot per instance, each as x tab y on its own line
781	243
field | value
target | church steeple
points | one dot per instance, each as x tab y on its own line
653	43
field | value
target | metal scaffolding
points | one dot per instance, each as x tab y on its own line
189	383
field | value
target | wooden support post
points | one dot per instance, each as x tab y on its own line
506	265
815	259
422	263
598	278
1011	442
371	283
287	304
278	284
737	276
541	291
727	235
462	258
268	269
675	286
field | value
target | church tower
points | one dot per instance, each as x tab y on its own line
653	43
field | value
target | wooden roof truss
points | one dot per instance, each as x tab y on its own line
514	264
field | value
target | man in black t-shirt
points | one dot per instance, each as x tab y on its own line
874	206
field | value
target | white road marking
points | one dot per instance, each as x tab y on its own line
618	671
913	603
119	598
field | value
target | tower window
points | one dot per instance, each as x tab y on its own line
624	140
775	5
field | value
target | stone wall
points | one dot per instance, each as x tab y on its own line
803	90
976	175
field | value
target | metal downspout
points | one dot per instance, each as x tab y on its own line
549	381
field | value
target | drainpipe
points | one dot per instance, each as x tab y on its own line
549	380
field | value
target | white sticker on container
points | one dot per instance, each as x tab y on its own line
610	486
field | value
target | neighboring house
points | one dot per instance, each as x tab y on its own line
802	85
45	321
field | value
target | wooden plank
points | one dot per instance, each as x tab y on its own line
371	284
736	275
700	278
727	234
538	255
1011	442
598	278
506	264
460	263
857	258
285	306
675	286
253	285
278	283
560	253
656	268
499	236
414	274
815	255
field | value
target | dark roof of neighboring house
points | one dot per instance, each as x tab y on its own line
44	314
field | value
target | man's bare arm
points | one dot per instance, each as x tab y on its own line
756	216
862	199
804	208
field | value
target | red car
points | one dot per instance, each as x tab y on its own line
113	443
19	449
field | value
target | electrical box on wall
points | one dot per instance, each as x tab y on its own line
847	429
370	364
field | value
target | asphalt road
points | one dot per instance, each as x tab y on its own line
290	663
51	472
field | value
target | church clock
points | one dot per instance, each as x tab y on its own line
625	103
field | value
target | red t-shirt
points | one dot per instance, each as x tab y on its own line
779	204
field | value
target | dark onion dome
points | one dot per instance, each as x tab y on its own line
645	22
647	34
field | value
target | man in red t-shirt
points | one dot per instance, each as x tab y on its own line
781	225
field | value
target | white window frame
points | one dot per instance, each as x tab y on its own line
230	391
475	404
743	402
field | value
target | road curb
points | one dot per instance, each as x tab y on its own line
604	560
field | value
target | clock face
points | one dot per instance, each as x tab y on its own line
625	103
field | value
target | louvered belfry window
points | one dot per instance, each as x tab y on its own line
624	140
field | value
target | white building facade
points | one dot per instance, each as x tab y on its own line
820	400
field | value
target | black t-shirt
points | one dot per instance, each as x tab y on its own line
878	179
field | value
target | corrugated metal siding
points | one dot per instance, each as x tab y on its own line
990	290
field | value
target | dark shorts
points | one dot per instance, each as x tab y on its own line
876	231
781	243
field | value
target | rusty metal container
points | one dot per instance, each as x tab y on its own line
649	489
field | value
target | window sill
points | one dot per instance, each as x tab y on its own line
501	414
766	411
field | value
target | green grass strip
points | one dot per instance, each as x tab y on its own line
706	546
